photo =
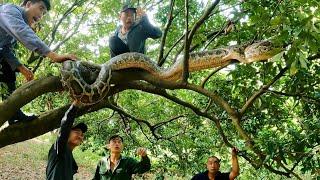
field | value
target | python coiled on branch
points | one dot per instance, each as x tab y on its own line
89	83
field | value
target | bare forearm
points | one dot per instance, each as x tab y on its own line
60	58
235	167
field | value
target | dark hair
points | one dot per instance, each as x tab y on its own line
114	137
214	157
46	3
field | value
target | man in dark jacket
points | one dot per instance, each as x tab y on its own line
213	167
61	164
15	25
118	167
131	35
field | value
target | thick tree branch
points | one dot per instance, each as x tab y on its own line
35	88
31	90
26	94
24	131
46	122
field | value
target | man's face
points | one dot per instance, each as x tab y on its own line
35	12
115	145
213	165
127	18
76	137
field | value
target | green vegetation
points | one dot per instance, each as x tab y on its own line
277	133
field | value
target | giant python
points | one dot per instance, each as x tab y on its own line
89	83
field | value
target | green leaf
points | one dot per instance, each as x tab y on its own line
277	57
276	21
303	62
293	68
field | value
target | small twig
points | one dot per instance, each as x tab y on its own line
187	42
211	74
165	32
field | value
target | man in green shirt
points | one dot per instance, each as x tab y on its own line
117	167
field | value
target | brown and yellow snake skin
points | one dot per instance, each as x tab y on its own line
89	82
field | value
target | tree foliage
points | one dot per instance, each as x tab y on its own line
269	110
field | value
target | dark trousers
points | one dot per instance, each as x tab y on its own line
117	46
8	77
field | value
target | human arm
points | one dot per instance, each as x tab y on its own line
150	30
144	165
60	57
13	23
65	128
14	63
27	73
235	171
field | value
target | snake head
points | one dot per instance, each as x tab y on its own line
261	51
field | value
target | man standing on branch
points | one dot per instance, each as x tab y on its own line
213	166
131	35
16	25
61	164
118	167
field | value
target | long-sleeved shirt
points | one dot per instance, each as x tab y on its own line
123	170
14	27
138	33
61	164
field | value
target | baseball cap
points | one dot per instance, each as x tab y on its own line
82	126
128	7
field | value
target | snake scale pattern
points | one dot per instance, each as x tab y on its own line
89	83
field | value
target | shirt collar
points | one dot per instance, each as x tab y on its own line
24	14
206	173
132	26
107	163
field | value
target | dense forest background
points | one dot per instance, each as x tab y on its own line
269	110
